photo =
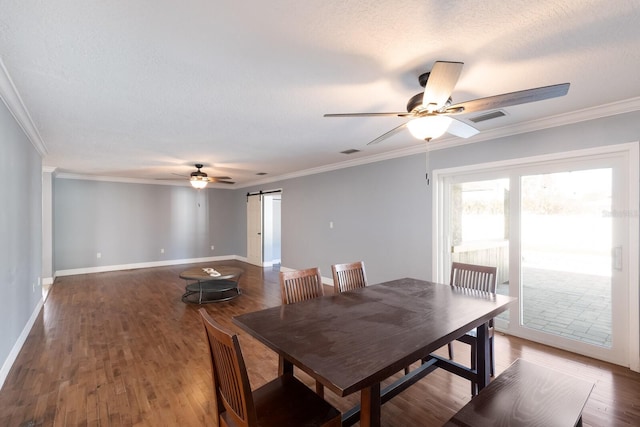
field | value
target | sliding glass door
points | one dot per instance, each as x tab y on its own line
559	234
566	277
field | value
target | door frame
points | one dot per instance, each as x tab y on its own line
257	218
261	194
631	153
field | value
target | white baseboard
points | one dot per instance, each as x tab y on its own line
13	354
102	269
47	280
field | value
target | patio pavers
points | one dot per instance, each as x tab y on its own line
573	305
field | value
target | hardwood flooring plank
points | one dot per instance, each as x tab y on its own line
122	349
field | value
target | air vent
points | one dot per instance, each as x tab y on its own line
488	116
350	151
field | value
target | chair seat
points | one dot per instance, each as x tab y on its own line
286	401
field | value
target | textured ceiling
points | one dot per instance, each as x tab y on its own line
143	89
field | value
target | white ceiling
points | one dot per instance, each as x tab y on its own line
144	89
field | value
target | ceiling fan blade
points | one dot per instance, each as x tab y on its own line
403	114
509	99
388	134
222	181
461	129
442	79
177	174
220	177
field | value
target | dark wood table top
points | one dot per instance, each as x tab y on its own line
356	339
526	394
226	273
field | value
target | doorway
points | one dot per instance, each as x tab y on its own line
558	233
271	229
264	228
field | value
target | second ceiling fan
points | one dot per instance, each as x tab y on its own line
431	111
200	179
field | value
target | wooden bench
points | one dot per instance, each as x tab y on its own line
526	394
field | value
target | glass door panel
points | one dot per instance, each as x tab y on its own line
566	239
479	227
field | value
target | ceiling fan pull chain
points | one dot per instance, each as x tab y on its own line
427	168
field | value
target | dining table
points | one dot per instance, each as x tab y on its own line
350	342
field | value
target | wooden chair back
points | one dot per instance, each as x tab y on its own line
347	277
230	380
300	285
478	277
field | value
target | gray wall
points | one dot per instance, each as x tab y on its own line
130	223
47	226
381	212
378	214
612	130
20	231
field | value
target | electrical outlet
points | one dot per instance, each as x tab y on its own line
162	250
212	247
98	255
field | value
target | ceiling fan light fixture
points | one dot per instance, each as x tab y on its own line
429	127
199	182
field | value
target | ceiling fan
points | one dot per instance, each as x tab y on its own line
200	179
431	112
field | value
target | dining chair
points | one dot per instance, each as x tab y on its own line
284	401
296	286
300	285
480	278
347	277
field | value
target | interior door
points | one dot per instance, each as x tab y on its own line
254	229
559	235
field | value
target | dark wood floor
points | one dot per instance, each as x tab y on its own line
121	349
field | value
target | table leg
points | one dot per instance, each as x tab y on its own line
284	367
483	355
370	405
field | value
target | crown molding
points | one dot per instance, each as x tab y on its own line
176	183
13	101
419	148
592	113
66	175
586	114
